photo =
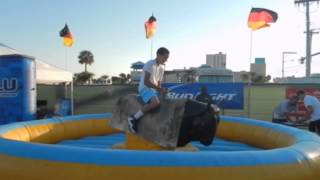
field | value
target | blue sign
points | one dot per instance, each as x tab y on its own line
224	95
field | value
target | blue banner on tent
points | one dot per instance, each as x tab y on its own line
225	95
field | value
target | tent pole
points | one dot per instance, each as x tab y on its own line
65	90
72	98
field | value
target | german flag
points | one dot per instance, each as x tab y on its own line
260	18
67	36
150	26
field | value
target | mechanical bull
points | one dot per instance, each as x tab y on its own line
174	124
199	123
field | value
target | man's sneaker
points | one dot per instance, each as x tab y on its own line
132	124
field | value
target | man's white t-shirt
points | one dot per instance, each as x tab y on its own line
156	73
315	103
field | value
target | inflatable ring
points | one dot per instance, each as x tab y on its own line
28	152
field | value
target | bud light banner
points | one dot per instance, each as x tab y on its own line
224	95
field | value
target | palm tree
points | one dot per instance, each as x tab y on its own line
85	57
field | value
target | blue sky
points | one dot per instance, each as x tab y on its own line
113	31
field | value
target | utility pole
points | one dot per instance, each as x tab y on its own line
306	3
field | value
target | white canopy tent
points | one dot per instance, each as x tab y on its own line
48	74
45	73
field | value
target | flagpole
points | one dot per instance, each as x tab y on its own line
258	18
151	47
66	58
249	77
250	59
67	41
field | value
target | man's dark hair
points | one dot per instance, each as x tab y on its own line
300	92
162	51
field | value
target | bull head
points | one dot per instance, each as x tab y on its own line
199	123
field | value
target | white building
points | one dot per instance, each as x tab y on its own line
217	60
208	74
136	72
259	66
180	76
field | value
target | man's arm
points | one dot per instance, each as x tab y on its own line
309	111
148	83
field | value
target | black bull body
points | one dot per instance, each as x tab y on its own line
176	123
199	123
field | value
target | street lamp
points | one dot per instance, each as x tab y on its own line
283	54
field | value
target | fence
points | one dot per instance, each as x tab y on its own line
102	98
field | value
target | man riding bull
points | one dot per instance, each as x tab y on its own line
150	87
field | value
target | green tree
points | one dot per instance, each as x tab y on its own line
255	78
86	58
115	80
104	79
123	78
83	77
